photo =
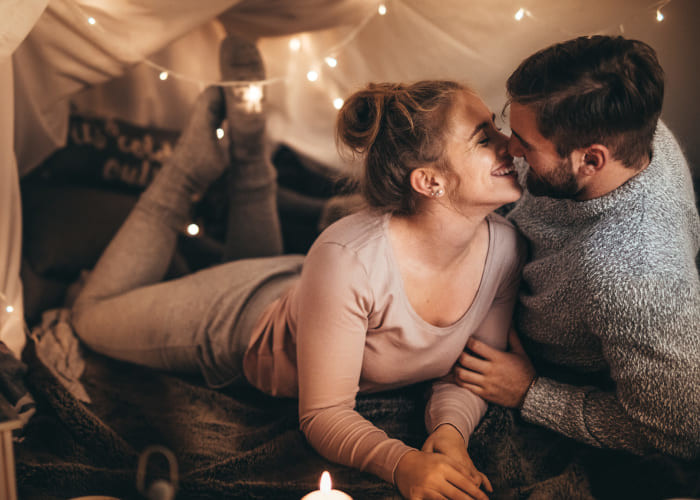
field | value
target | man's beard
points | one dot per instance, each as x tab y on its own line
558	183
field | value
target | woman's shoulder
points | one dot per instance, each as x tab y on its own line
355	230
505	231
508	245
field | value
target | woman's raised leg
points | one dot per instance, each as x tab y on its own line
123	310
253	221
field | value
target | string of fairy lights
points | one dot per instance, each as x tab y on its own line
252	92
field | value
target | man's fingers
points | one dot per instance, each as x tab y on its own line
514	342
473	363
482	349
464	376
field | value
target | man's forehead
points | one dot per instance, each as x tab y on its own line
523	123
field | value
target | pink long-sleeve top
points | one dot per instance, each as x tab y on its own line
346	326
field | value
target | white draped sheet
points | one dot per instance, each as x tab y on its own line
66	61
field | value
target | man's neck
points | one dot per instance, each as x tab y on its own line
608	179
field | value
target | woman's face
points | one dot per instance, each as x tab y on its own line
477	153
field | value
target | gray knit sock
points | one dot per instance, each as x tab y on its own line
198	159
253	223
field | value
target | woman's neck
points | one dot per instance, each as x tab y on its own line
439	238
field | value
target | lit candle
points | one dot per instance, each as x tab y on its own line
326	491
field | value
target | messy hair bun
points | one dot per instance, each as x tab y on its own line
397	128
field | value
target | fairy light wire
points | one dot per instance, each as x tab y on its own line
164	73
329	56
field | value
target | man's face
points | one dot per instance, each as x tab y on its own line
548	174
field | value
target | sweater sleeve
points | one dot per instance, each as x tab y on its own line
648	330
334	305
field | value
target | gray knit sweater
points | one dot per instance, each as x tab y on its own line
610	311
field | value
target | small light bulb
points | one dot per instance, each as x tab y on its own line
337	103
193	229
331	61
520	14
659	15
294	44
10	309
312	76
220	133
381	9
91	20
252	95
163	75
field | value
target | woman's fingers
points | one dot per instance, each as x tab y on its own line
485	481
465	486
455	493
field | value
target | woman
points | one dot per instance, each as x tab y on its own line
387	297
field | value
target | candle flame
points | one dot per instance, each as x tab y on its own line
326	485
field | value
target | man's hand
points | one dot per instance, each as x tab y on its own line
447	440
499	377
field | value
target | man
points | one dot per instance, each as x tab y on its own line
609	311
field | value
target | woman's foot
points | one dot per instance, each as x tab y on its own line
199	154
240	61
253	228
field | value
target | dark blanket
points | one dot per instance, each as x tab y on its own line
241	444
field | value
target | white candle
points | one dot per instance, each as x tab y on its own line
326	491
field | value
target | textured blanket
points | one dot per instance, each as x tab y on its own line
241	444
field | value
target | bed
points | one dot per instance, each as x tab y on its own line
238	443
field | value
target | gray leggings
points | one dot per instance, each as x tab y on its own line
200	322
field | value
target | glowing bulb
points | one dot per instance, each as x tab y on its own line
294	44
326	485
337	103
659	15
91	20
312	76
220	133
163	75
381	9
331	61
253	95
193	229
10	309
520	14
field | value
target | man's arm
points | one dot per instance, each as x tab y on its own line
649	337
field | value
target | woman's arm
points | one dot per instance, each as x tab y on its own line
334	304
335	301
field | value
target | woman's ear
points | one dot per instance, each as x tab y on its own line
425	181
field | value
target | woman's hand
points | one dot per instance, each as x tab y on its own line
422	475
447	440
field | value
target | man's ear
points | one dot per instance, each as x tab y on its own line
426	181
593	159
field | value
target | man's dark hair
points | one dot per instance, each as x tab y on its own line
600	89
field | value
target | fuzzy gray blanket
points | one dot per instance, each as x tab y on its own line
241	444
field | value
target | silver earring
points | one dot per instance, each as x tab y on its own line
437	193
